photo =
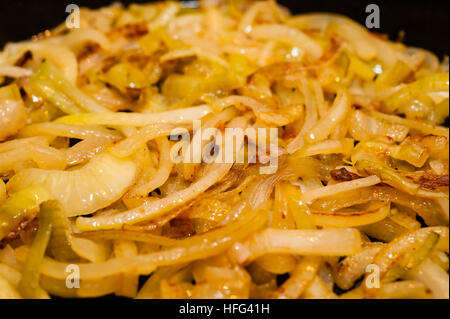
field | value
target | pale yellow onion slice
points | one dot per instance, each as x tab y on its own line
60	55
373	214
82	191
132	143
2	191
433	277
12	117
336	114
328	242
329	190
90	250
294	37
444	204
405	253
89	288
343	146
249	16
7	290
347	271
357	37
76	38
14	71
318	289
11	274
426	208
65	247
22	143
264	112
66	130
178	54
86	149
186	115
364	127
164	169
44	156
311	107
299	279
406	289
422	127
166	14
57	270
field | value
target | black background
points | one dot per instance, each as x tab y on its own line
126	308
425	22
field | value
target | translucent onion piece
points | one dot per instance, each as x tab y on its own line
415	125
21	205
336	114
2	191
344	146
357	36
29	283
301	242
180	116
49	83
82	191
391	177
407	289
364	127
434	277
67	130
44	156
132	143
329	190
351	268
425	208
22	143
299	279
295	38
12	117
404	253
58	54
164	169
318	290
371	215
78	37
14	71
86	149
7	290
187	53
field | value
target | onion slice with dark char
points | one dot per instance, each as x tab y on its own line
424	207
